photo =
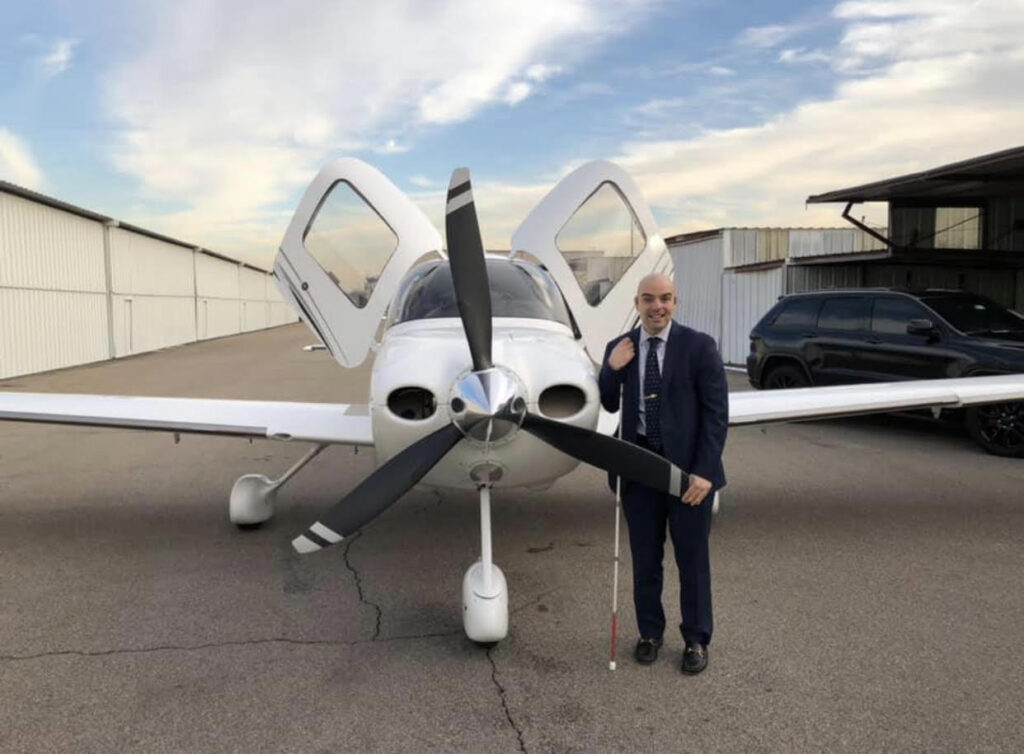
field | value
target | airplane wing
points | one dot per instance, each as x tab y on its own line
748	408
340	423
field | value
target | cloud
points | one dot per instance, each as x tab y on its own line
881	33
500	207
540	72
800	55
232	117
767	36
17	165
391	147
58	58
421	181
517	92
660	106
934	84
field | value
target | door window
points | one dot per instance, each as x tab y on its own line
846	313
799	312
600	242
350	241
892	315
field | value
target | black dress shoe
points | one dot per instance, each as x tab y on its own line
646	651
695	657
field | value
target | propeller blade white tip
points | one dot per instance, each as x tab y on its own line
303	545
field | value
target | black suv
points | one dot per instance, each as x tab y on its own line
839	337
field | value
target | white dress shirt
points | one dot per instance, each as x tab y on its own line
641	423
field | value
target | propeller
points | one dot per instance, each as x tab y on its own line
378	491
495	402
609	453
469	270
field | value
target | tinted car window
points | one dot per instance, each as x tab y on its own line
975	315
847	313
800	312
892	315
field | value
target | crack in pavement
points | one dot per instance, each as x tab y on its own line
219	644
359	585
504	701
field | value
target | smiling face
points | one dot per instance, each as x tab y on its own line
655	302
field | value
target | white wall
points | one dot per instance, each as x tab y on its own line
53	303
76	289
698	279
746	297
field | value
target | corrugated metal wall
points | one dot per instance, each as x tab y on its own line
698	278
745	247
53	302
153	293
56	309
815	242
1004	224
746	296
253	288
820	277
1000	285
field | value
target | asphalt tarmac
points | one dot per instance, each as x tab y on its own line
867	583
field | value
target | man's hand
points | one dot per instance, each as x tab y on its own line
622	354
697	491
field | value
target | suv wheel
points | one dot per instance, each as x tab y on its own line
998	428
785	376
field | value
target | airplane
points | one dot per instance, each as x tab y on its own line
484	375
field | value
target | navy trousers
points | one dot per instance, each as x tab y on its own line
648	514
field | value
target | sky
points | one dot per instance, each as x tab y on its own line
205	120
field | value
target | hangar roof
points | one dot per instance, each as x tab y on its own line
24	193
996	174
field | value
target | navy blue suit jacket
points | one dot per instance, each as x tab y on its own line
694	405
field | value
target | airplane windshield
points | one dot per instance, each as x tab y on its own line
517	290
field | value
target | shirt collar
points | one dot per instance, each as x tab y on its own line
645	336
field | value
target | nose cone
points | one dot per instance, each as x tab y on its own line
488	406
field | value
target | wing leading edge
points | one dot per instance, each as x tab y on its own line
338	423
764	407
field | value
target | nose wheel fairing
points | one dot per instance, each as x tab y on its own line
484	589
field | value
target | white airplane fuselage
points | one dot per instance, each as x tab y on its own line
555	377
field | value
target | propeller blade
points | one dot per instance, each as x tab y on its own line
469	270
377	492
611	454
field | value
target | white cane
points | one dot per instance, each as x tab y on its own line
615	558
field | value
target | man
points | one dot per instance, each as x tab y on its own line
676	404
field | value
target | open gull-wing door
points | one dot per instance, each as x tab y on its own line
597	237
352	238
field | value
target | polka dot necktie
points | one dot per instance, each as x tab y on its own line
652	394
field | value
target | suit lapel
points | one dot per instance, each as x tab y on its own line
633	376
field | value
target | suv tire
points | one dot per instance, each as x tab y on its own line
785	376
998	428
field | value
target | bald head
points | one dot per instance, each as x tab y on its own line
655	279
655	302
